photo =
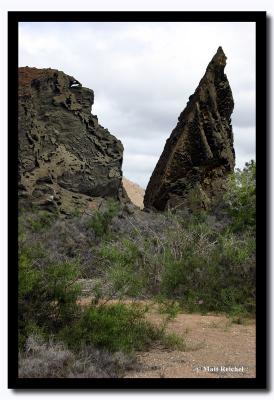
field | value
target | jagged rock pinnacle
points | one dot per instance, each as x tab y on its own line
218	61
199	154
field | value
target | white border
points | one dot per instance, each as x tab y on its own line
102	5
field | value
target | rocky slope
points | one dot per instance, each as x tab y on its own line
66	159
199	154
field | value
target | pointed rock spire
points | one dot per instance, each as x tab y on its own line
199	153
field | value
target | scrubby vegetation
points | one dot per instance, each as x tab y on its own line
203	268
241	197
181	261
116	327
52	359
101	220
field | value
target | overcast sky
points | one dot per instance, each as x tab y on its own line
142	75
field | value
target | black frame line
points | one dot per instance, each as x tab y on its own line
260	18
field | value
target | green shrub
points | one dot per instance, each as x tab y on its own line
204	269
174	341
241	197
238	314
211	281
46	295
235	250
169	307
197	199
101	220
40	220
116	327
125	278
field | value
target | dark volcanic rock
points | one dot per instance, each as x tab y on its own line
62	148
199	154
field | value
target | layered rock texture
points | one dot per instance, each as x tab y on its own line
66	159
197	157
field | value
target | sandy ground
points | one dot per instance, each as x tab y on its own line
134	192
214	348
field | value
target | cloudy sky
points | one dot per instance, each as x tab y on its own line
142	75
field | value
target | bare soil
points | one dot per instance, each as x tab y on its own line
215	348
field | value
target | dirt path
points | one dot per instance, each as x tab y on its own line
213	343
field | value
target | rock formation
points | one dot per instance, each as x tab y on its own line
66	159
192	169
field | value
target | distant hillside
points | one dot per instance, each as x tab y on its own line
134	192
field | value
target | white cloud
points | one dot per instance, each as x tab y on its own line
244	110
142	75
244	141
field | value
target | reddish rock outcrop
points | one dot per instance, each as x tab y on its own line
199	154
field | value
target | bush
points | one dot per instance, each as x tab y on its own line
241	197
47	295
40	220
101	220
44	359
115	327
203	268
121	271
212	275
51	359
174	341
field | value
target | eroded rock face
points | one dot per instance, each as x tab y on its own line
66	159
199	153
